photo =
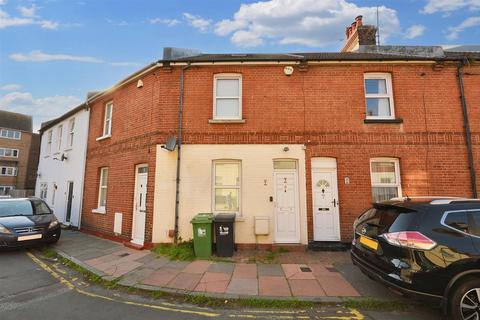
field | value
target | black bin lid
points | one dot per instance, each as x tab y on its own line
224	217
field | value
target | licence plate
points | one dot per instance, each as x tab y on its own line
369	243
30	237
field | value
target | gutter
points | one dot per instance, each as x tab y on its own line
179	148
466	125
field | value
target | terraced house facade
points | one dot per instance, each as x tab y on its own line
296	145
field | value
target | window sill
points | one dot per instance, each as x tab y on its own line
99	210
103	137
397	120
215	121
68	149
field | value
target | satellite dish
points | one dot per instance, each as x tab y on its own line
171	143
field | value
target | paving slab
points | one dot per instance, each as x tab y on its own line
161	277
222	267
213	282
177	264
157	263
270	270
294	272
185	281
335	285
198	266
306	288
245	271
273	286
243	286
135	277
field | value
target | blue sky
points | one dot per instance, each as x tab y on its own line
52	52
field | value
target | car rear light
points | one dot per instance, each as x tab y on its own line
409	239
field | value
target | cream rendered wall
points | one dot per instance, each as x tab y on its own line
196	187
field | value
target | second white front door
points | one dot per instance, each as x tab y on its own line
286	207
325	205
139	206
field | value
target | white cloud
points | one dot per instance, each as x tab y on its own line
197	22
28	12
28	17
301	22
415	31
39	56
453	32
41	109
10	87
448	6
2	2
124	64
168	22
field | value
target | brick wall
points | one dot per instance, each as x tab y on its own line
322	107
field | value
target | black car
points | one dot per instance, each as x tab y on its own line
427	248
27	221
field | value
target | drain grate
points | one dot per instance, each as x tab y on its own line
305	269
124	255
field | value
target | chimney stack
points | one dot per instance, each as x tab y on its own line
358	34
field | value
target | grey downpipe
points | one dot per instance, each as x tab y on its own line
468	136
179	149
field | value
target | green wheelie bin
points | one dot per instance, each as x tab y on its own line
202	234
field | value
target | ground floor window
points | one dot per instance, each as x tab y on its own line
43	191
385	176
4	190
102	192
226	186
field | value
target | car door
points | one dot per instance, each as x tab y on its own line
474	228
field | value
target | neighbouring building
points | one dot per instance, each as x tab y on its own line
296	145
19	148
61	165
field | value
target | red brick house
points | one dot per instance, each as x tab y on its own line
296	145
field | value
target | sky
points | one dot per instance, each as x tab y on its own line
52	52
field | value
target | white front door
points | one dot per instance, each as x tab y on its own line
325	205
286	207
139	206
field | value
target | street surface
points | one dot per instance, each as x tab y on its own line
32	288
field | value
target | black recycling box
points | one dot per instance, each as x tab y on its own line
224	234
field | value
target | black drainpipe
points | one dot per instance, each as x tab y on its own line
468	136
179	149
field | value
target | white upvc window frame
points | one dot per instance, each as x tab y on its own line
13	171
239	187
59	137
227	76
389	95
102	185
107	121
16	135
397	184
71	132
5	189
12	151
49	141
43	190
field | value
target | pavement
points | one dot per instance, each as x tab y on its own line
309	278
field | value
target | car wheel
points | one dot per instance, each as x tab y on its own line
465	301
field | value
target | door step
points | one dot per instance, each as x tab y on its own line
328	246
132	245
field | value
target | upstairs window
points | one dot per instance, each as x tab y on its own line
226	186
227	93
59	137
379	96
10	134
49	141
9	153
71	132
385	177
107	124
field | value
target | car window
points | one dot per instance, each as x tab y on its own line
475	223
40	207
458	221
15	208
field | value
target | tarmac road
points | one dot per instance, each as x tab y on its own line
31	288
